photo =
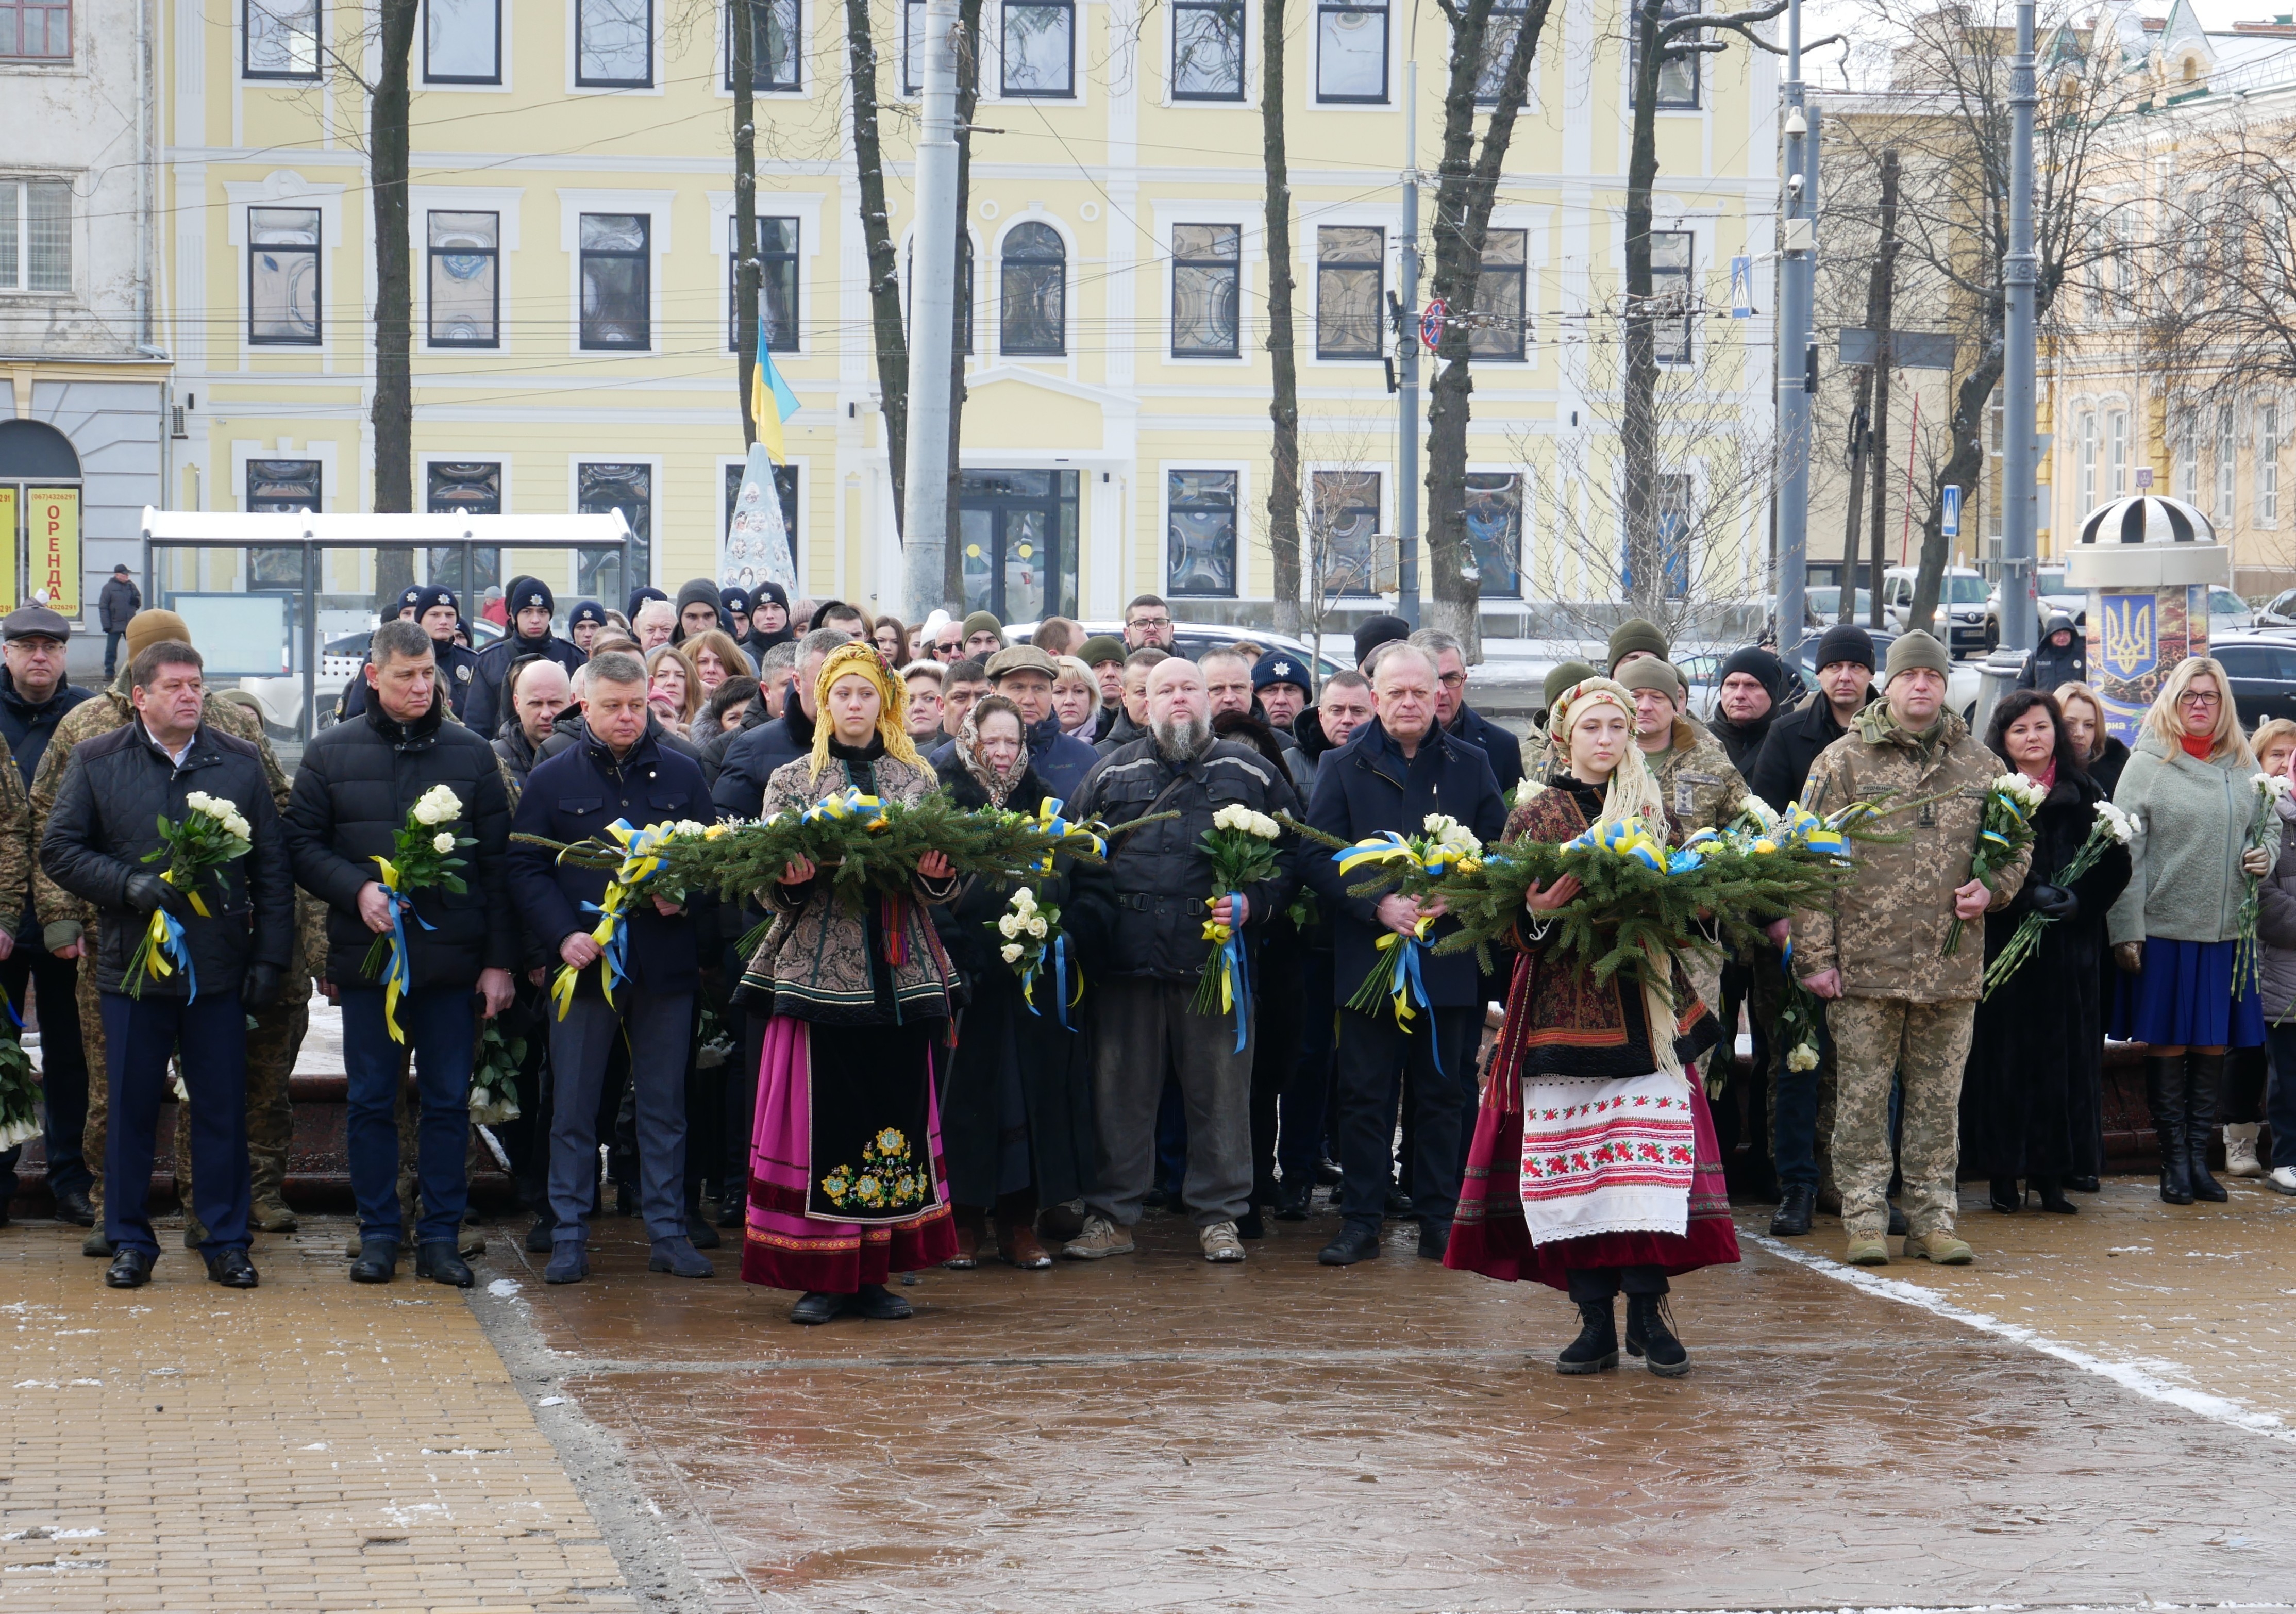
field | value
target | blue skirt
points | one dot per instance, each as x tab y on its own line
2183	998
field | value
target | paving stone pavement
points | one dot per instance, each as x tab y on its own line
307	1445
2101	1413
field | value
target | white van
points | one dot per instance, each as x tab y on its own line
1962	596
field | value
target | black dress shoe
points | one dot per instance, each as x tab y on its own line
1795	1208
1355	1243
2053	1197
878	1304
2084	1185
1434	1239
74	1205
232	1269
731	1215
129	1268
2006	1197
1398	1203
1328	1172
377	1263
1897	1222
1292	1200
441	1262
1250	1226
699	1233
815	1307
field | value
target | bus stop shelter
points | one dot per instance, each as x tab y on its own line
280	603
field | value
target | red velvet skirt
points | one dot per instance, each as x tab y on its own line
1488	1235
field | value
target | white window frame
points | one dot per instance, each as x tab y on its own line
502	459
2116	452
723	66
805	207
1316	100
276	10
573	203
660	497
503	203
2227	509
1246	93
2088	452
286	189
1309	469
1249	222
2188	454
654	65
2268	464
22	183
1241	470
496	85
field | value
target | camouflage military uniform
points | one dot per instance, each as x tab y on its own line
1905	1012
15	887
1702	791
277	1036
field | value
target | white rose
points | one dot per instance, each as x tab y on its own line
1009	924
1439	825
1225	819
444	841
1037	928
1012	952
1803	1058
1265	827
1025	900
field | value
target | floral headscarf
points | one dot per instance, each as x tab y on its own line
1633	793
892	710
999	786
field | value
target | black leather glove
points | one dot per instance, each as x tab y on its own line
261	990
2053	902
147	893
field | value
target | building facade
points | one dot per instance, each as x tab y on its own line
572	205
85	405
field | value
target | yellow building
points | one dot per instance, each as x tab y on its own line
572	199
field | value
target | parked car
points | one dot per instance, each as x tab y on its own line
1960	603
1192	640
2262	670
2056	593
2279	612
2228	611
280	699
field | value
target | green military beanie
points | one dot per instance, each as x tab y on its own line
1648	673
1564	675
1916	649
982	622
1635	633
1101	647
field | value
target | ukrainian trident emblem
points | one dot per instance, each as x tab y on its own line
2132	639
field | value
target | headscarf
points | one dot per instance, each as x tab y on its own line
892	710
999	786
1633	793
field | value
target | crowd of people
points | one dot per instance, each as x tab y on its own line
874	1088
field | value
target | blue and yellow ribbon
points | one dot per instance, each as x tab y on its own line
640	863
1405	989
164	952
397	974
847	804
1064	998
1235	974
1060	831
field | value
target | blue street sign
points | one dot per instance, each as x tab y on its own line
1742	288
1950	524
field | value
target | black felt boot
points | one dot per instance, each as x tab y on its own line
1597	1347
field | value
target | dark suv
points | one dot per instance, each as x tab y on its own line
2263	674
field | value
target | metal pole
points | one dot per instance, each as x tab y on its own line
2021	624
933	315
1406	347
1794	349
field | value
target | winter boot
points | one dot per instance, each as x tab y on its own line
1651	1336
2240	1150
2166	1081
1596	1349
2206	1083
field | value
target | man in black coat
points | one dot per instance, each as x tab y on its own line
540	693
618	771
357	785
2061	657
33	697
1749	697
1148	902
436	614
218	964
1393	773
1845	680
531	605
1462	721
775	742
119	600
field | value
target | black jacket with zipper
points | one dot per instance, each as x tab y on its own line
357	783
115	789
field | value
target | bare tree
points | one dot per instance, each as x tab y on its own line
1490	67
887	327
1283	400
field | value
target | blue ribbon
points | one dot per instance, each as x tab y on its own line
400	906
1239	975
9	1004
1060	981
616	951
1407	978
171	942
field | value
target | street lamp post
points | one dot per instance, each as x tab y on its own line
1794	286
2020	272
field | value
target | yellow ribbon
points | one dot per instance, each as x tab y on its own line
1405	978
640	864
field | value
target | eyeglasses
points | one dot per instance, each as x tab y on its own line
2197	697
1150	622
1452	681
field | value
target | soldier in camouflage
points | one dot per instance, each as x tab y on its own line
15	882
1702	791
1899	1010
277	1035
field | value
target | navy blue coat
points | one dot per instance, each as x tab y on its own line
1501	749
485	710
1366	786
573	796
751	760
1059	761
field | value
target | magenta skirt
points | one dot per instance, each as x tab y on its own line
782	1245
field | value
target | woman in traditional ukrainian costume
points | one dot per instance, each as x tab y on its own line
846	1178
1595	1167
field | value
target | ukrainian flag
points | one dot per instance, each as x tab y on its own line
771	401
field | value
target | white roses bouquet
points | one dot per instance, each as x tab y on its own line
2263	835
2004	830
214	832
2112	827
1242	846
422	855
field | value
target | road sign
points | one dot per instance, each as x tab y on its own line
1741	287
1430	325
2143	476
1949	524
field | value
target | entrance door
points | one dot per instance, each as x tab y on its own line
1018	529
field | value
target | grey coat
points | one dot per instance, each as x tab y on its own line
2185	883
2275	924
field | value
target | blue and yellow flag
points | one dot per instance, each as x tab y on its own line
771	401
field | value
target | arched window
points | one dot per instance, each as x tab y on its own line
1036	291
